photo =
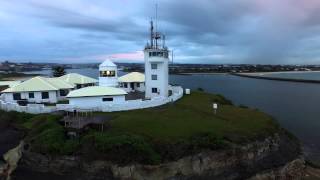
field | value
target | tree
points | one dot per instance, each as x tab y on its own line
58	71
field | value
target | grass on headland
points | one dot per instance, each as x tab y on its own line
153	135
193	115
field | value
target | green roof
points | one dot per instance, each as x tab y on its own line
40	84
132	77
75	78
96	91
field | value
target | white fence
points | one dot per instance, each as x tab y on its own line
177	93
30	108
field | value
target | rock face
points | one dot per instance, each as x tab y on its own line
276	157
11	159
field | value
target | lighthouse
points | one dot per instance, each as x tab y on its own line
156	57
108	74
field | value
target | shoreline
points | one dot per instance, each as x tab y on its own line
246	75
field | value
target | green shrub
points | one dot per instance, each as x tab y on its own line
15	117
243	106
47	136
221	100
200	89
126	148
207	141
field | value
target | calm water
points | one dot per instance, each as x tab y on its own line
294	105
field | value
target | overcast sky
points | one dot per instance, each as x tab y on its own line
199	31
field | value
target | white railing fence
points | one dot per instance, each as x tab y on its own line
177	93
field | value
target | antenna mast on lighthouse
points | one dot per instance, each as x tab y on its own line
156	37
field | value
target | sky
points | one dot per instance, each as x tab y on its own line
198	31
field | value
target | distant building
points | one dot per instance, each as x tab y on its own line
108	75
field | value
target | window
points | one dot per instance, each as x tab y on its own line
63	92
125	85
159	54
154	77
154	66
138	84
45	95
16	96
166	55
31	95
79	86
154	53
107	99
154	90
107	73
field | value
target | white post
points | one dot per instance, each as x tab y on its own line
215	107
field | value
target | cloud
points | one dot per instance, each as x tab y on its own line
199	31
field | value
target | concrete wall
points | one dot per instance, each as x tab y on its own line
162	75
94	102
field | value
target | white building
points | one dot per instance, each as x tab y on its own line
156	66
96	96
79	80
112	94
108	75
38	90
131	82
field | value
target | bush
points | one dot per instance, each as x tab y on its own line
126	148
207	141
200	89
243	106
47	136
14	117
221	100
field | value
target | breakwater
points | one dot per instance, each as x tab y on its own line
277	78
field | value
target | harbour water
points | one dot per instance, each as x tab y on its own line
294	105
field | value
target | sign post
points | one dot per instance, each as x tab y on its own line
215	107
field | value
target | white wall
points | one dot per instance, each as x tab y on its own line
94	102
162	75
8	97
121	105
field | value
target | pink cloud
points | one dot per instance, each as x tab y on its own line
123	57
137	55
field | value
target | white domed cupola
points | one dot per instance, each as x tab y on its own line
108	74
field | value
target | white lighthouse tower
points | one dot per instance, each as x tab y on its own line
108	74
156	56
